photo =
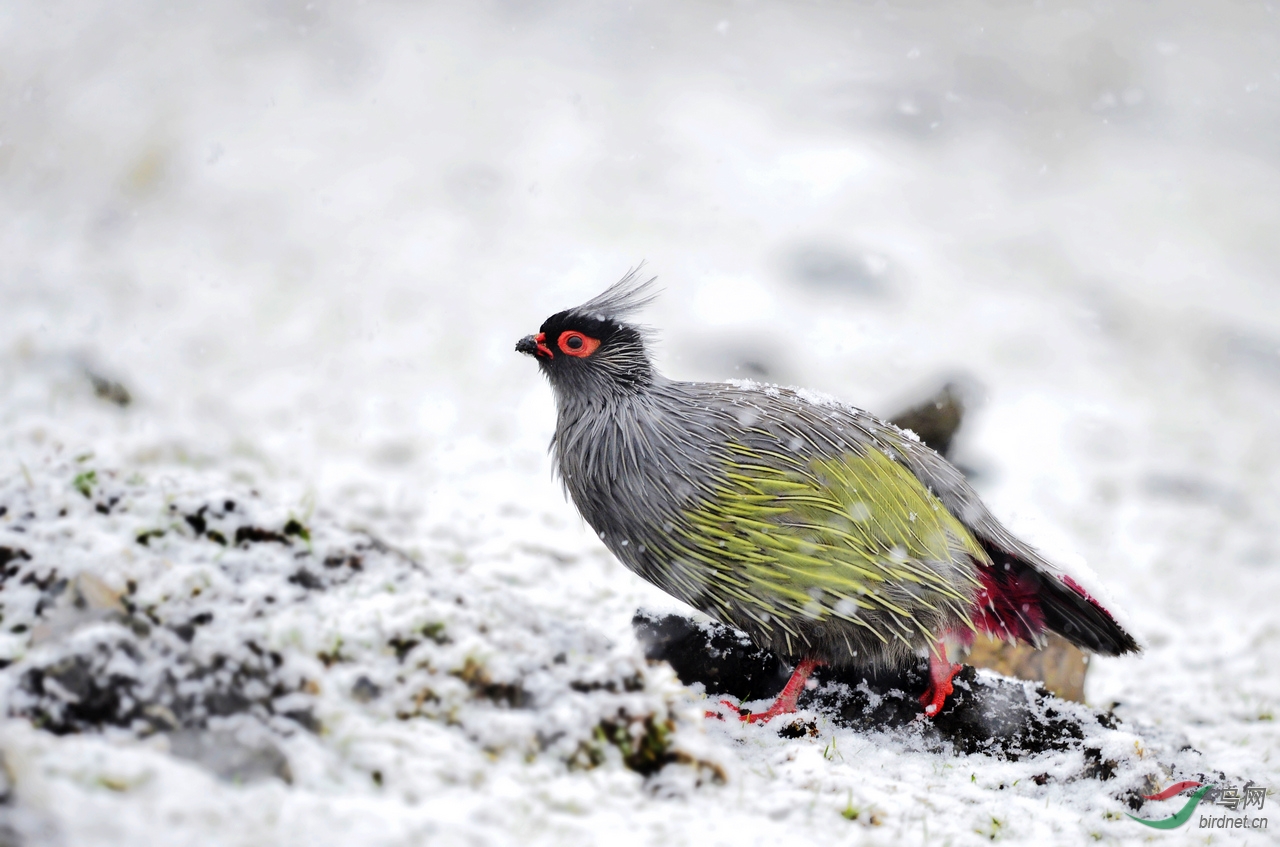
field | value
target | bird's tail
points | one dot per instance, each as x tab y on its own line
1018	600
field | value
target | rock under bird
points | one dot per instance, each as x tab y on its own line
823	533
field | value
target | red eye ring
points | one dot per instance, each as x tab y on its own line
573	343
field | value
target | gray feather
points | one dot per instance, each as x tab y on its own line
622	299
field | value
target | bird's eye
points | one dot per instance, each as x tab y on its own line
576	344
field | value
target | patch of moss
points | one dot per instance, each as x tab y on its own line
295	527
84	482
643	742
435	632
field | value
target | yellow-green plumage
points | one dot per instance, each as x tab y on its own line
829	538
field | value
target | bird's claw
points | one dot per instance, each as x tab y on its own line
940	688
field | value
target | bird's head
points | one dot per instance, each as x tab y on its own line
589	352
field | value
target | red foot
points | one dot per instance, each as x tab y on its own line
940	673
786	702
937	693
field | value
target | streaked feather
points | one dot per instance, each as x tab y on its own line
834	538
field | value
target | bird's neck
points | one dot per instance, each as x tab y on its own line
597	431
605	395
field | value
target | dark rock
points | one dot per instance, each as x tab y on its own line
935	419
717	656
365	690
1096	767
338	560
306	579
8	555
1000	717
197	522
304	718
256	535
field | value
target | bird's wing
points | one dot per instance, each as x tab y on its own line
812	534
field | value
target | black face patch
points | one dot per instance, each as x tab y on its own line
585	354
572	336
562	322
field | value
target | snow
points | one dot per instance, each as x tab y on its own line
305	238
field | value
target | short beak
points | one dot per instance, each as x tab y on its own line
535	345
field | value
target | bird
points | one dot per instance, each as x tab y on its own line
822	533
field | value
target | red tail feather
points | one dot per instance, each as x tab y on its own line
1018	601
1007	605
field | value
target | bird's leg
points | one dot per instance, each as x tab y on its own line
786	702
941	670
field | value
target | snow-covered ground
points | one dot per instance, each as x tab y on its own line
306	236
